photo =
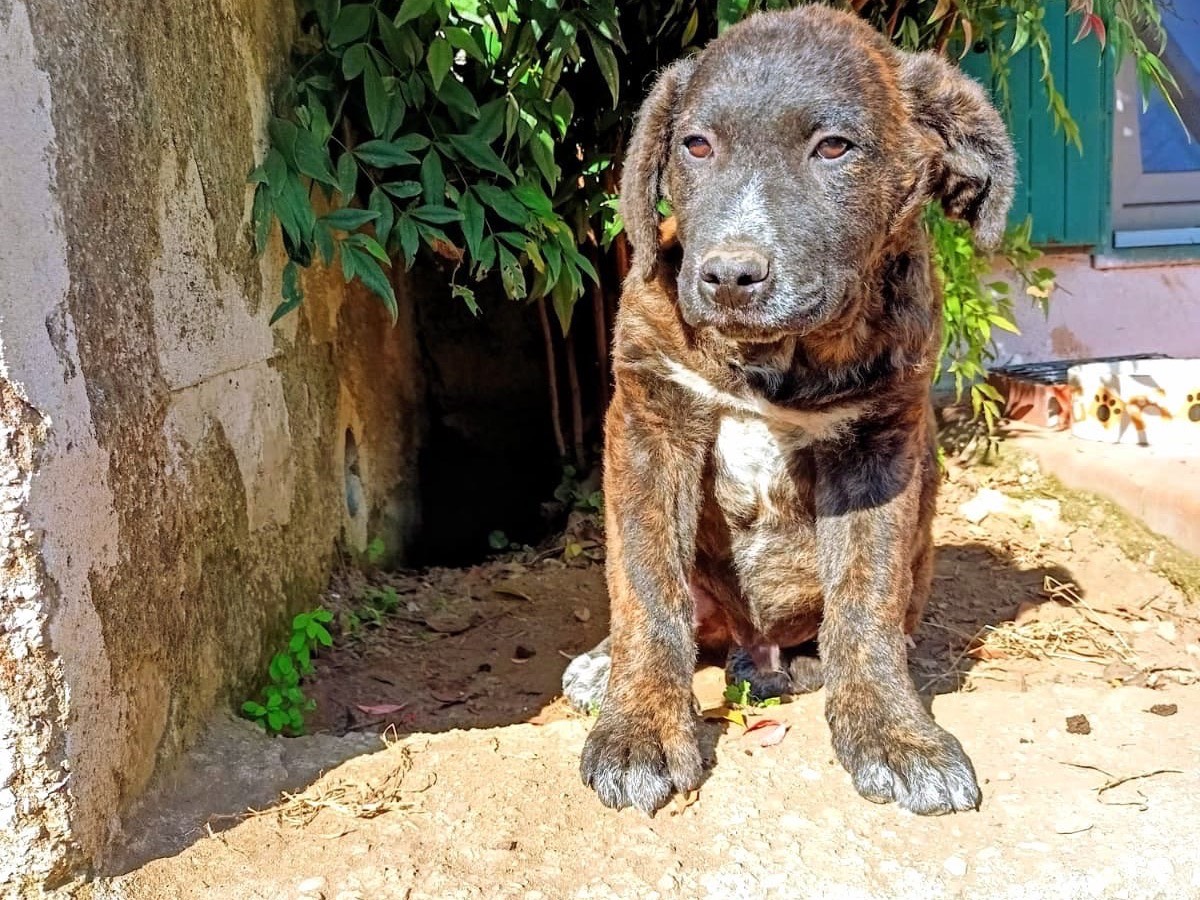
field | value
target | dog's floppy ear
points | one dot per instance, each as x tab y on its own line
645	161
972	170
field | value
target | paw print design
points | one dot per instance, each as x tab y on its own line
1191	412
1106	407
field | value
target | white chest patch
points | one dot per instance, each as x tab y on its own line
750	455
802	427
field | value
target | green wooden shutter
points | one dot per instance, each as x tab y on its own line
1065	191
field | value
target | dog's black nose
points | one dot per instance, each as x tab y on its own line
732	277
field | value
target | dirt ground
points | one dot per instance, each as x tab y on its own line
1061	645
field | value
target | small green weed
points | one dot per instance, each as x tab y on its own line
282	704
738	694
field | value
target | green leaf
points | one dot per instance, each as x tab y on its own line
491	120
293	296
295	211
440	58
433	178
379	203
390	37
355	61
254	709
276	719
347	176
438	215
378	101
562	110
351	24
322	635
503	204
348	219
511	274
730	12
384	154
462	39
312	158
409	238
608	66
411	141
480	154
412	9
454	95
283	138
690	29
323	615
473	220
542	150
323	238
371	273
402	189
371	245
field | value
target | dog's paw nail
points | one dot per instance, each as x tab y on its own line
929	777
627	767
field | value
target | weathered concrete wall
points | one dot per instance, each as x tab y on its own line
1109	312
173	472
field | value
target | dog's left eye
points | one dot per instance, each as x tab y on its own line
832	147
698	146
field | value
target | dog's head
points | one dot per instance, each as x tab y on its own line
793	151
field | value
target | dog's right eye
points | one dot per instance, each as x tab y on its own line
698	146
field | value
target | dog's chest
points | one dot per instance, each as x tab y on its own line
756	469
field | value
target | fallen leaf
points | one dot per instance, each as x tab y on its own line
773	736
380	709
725	713
511	592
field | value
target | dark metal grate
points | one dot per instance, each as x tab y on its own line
1055	372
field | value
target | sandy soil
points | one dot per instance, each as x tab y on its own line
1062	646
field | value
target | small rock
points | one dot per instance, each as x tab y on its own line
1072	826
955	866
1164	709
523	653
983	504
583	614
1003	776
1166	631
667	883
313	885
1078	725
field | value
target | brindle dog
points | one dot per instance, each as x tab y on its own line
770	465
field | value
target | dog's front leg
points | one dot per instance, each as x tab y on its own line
868	509
643	746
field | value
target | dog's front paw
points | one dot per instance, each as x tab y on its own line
631	763
923	770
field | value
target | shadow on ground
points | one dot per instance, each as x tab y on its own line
482	648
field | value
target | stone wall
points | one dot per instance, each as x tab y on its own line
174	474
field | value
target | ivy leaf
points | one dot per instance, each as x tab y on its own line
384	154
296	215
355	61
323	238
462	39
480	154
412	9
351	24
312	158
454	95
293	296
472	221
541	148
511	274
283	138
440	58
467	296
377	98
433	178
438	215
380	204
503	204
412	141
608	65
402	190
562	110
371	274
491	120
408	237
389	36
348	219
347	176
327	11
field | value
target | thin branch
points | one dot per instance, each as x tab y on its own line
576	399
552	380
947	28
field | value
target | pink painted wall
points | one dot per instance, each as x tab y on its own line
1108	312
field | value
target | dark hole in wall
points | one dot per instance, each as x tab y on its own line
488	459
